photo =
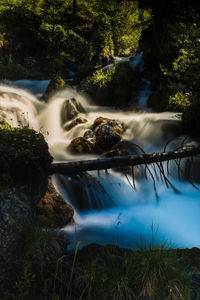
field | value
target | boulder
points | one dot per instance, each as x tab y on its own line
115	124
70	110
108	132
102	136
107	137
75	122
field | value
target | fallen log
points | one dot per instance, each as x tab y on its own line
76	167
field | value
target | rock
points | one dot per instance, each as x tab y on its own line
55	84
103	135
89	135
117	125
75	122
107	137
108	132
53	209
81	145
70	110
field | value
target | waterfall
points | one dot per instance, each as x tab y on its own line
107	208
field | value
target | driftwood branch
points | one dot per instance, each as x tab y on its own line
76	167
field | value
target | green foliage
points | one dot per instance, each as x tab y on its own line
113	86
185	39
12	71
179	101
24	156
100	79
48	30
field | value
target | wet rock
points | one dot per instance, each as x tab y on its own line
102	136
53	209
70	110
55	84
90	136
117	125
81	145
108	132
107	137
75	122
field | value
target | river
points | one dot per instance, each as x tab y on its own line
114	212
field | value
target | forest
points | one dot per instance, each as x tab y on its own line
87	86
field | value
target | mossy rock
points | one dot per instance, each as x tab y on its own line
24	158
55	84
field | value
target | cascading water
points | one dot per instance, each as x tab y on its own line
126	214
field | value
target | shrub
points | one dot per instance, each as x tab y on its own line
12	71
100	79
179	101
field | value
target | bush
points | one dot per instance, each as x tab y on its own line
12	71
179	101
100	79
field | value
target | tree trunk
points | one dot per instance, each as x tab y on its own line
74	7
75	167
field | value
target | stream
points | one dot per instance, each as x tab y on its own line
113	211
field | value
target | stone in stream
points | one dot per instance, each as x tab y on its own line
74	122
70	110
81	145
102	136
54	84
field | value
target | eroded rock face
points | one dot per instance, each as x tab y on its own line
53	209
70	110
102	136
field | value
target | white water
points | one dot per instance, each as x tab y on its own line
177	216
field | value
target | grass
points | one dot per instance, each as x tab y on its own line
48	271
